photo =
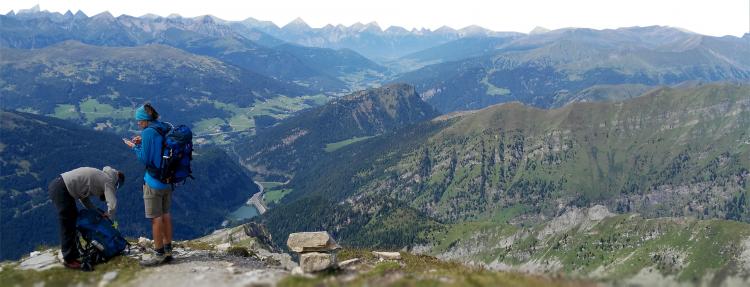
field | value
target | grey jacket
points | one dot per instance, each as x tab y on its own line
84	182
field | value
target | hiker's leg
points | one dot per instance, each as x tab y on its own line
166	203
67	212
167	219
157	227
152	200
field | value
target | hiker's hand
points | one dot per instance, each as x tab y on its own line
137	140
128	143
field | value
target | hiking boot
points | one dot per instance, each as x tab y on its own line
168	254
153	260
72	264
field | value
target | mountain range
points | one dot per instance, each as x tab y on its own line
452	69
247	48
548	69
369	39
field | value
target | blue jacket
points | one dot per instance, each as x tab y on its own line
149	152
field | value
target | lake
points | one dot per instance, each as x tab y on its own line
244	212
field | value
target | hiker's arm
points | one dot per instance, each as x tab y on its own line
88	204
143	150
109	195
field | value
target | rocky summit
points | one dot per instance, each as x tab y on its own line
227	257
233	257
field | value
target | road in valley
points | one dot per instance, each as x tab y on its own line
257	199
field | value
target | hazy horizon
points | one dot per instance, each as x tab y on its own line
715	20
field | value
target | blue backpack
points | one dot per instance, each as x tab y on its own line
177	152
101	241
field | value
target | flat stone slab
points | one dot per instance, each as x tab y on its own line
301	242
41	261
349	263
387	255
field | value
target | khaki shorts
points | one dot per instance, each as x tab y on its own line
156	201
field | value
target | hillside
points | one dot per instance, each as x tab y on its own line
35	149
248	55
624	249
546	70
350	67
521	165
609	93
319	69
455	50
100	86
279	151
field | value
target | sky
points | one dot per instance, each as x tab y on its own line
710	17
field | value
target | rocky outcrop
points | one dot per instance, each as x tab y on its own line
584	219
253	237
261	234
209	261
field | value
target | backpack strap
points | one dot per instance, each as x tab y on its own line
153	170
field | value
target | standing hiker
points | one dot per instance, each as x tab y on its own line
156	194
81	184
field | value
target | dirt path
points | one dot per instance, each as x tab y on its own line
208	272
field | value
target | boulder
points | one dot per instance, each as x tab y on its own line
316	261
145	242
387	255
41	261
349	263
311	242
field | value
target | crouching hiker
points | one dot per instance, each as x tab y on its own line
81	183
148	148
